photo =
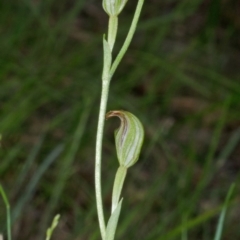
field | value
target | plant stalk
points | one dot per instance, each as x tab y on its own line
112	30
100	128
108	71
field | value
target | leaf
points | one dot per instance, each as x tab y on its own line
7	205
112	223
53	226
219	229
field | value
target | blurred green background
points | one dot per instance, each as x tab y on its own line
181	77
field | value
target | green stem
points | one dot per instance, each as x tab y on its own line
100	128
117	186
112	30
128	38
107	75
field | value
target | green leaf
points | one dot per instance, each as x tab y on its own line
218	233
128	137
6	202
53	226
112	223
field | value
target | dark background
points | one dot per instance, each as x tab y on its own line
181	78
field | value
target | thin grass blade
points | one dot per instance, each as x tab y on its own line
219	230
5	199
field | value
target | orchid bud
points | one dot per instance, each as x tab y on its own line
113	7
128	137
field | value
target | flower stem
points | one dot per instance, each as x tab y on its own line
100	128
112	30
118	185
108	71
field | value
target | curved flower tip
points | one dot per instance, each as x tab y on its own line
128	137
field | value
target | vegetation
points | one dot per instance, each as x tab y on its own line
180	77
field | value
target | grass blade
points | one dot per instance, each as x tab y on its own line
223	213
31	187
5	199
